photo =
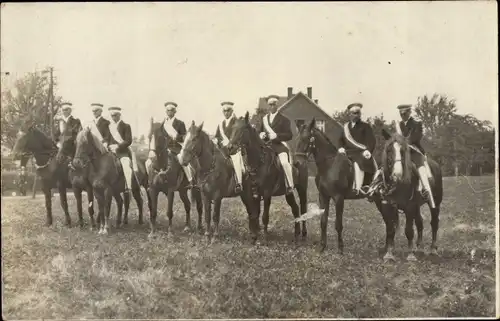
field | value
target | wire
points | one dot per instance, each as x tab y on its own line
474	190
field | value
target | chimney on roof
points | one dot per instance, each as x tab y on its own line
316	101
310	92
290	92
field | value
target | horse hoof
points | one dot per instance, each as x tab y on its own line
187	229
105	232
151	235
125	222
207	233
140	222
411	257
434	252
322	248
389	257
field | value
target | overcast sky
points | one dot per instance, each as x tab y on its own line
139	55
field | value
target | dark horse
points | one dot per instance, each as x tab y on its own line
268	175
401	178
167	176
52	170
108	180
334	180
215	177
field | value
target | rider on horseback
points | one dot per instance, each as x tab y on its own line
119	140
67	126
222	137
276	128
360	140
175	131
100	125
412	129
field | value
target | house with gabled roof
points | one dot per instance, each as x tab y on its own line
300	108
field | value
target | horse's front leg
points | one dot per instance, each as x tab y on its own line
419	224
108	198
90	199
196	197
170	209
126	202
64	202
78	196
290	199
302	191
47	192
339	224
324	200
183	194
136	192
207	202
119	208
391	220
153	193
409	232
217	206
265	218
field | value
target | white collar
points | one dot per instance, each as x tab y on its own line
406	122
97	119
65	118
229	119
171	120
116	124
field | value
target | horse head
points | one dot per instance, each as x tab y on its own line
31	140
244	135
312	141
396	161
88	148
195	139
158	147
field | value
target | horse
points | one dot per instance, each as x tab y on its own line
52	170
334	180
402	193
267	174
216	179
167	176
108	181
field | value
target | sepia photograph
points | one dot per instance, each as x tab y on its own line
249	160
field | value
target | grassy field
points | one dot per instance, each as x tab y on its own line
71	273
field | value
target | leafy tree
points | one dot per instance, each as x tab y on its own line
341	116
27	103
434	112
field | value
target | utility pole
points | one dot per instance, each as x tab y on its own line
51	102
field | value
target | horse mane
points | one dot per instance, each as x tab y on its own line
405	155
46	141
82	138
323	135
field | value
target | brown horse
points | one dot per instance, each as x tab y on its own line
215	176
334	180
53	171
267	174
108	181
401	178
167	176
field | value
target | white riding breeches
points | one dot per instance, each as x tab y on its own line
188	172
424	179
287	167
359	176
127	170
238	166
